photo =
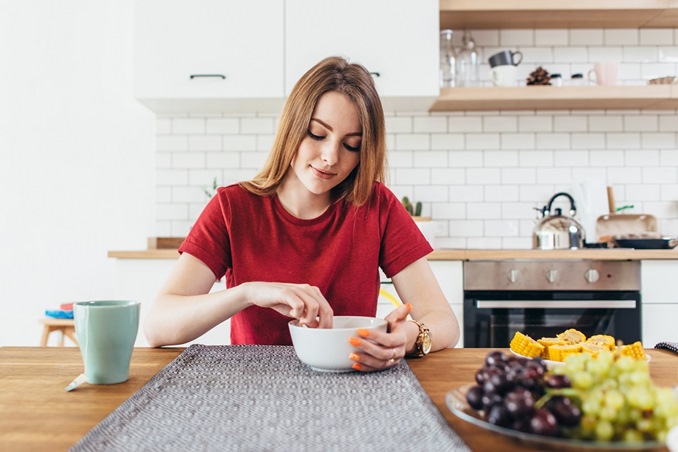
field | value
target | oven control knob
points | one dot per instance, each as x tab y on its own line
592	275
513	275
552	276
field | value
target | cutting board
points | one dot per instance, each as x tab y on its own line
625	224
164	243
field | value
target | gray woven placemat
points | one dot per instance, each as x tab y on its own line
262	398
673	346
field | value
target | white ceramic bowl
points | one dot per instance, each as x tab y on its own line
672	440
327	349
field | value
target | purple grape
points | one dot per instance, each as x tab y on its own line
565	411
519	402
501	383
494	358
558	381
474	397
499	416
490	399
544	423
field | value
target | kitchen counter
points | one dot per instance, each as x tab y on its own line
37	414
474	254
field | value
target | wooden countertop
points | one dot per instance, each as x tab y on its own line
474	254
37	414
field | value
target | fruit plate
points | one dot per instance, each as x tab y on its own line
551	364
457	404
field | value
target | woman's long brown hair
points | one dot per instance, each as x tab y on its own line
353	81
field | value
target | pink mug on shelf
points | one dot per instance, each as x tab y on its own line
604	73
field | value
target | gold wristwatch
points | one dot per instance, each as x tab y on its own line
422	346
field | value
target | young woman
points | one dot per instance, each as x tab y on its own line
305	238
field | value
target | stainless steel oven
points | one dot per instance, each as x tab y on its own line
542	298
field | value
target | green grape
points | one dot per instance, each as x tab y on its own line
640	397
608	413
639	377
614	399
598	369
604	431
644	425
632	436
618	399
582	379
587	426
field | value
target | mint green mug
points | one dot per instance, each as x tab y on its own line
106	332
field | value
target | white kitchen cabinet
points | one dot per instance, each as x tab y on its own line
660	301
659	323
209	55
396	40
451	279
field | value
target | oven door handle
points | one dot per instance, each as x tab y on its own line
555	304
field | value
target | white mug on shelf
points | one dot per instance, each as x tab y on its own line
604	73
505	75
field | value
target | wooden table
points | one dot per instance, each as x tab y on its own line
37	414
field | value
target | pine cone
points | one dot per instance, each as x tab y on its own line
539	76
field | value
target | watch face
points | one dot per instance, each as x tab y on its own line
426	345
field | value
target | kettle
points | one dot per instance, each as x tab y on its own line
557	231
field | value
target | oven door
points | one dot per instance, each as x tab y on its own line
492	318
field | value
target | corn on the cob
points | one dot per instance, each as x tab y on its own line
593	349
547	342
560	352
634	350
572	336
602	339
525	345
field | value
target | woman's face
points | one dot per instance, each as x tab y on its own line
331	148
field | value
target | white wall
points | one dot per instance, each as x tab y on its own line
76	156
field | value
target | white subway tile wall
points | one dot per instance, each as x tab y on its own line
480	175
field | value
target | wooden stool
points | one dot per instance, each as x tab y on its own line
65	326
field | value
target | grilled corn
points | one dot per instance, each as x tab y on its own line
560	352
548	342
634	350
526	346
602	339
572	336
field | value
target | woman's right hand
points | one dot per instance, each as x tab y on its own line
300	301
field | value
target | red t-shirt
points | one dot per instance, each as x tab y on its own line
253	238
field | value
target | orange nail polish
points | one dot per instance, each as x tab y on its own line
362	332
357	366
408	306
354	357
354	341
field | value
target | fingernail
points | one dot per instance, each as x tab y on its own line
362	332
408	306
357	366
354	357
354	341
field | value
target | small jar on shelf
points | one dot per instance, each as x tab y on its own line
577	80
556	80
448	60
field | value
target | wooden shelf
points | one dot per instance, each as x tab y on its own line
506	14
653	97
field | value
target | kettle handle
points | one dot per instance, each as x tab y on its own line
573	209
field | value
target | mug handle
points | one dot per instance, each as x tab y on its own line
513	54
592	72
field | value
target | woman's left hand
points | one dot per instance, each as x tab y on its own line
378	350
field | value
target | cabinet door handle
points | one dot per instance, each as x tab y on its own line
221	76
376	74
